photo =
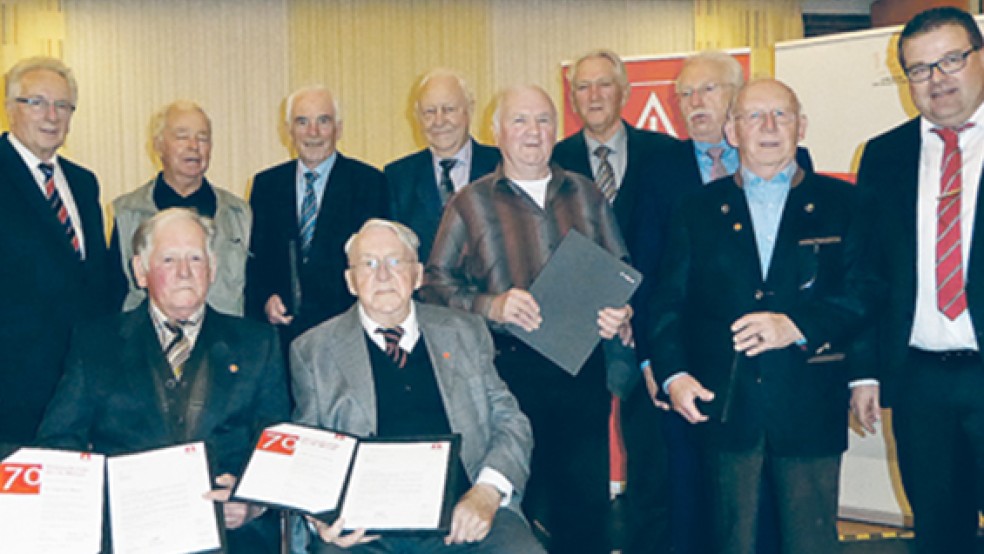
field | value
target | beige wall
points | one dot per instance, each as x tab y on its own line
240	58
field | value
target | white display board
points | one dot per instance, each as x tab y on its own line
852	89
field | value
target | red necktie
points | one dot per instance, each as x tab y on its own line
951	299
57	206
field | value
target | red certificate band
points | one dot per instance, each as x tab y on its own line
278	443
20	478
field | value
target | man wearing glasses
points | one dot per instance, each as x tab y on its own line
925	175
759	295
51	241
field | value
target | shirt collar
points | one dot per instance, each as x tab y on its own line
192	327
783	178
29	158
618	142
977	118
411	331
464	156
702	147
321	169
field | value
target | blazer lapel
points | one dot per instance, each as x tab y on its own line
739	244
349	343
145	362
210	378
425	185
438	337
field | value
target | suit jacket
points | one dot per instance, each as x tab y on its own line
889	176
333	385
111	395
354	193
44	289
414	197
642	207
818	277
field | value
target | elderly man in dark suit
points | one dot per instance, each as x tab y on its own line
391	367
421	183
173	371
303	211
760	295
924	178
628	165
52	243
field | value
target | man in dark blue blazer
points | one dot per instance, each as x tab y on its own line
127	388
421	183
54	259
930	370
641	198
303	212
761	293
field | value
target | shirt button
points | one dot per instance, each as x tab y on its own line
170	383
759	295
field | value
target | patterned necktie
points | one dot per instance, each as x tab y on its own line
447	185
605	179
393	350
179	349
57	206
309	213
951	299
717	166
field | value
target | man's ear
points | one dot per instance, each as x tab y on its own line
139	274
350	282
418	275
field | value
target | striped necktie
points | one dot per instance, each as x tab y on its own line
605	179
951	299
309	213
447	185
717	166
179	349
393	350
57	206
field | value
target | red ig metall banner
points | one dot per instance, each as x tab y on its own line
652	100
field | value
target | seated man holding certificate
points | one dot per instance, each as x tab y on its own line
389	367
174	371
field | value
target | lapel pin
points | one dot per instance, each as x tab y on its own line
447	355
737	227
725	209
233	368
809	208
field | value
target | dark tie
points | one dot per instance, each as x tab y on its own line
447	185
309	213
717	166
179	349
57	206
605	179
393	350
951	299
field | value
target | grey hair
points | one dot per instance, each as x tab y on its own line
733	73
289	111
402	232
445	72
621	76
158	122
504	93
143	238
16	74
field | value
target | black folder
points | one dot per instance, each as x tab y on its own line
579	279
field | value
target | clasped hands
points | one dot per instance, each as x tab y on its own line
518	307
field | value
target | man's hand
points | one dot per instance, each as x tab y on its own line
276	312
762	331
615	321
332	534
865	407
235	513
518	307
684	393
653	389
472	518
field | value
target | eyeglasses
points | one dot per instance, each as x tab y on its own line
756	118
948	65
701	91
41	105
372	265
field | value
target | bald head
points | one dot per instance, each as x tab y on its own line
444	106
765	125
525	125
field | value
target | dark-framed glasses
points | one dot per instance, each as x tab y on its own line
949	64
40	105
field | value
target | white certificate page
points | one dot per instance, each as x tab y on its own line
298	467
397	486
157	503
51	501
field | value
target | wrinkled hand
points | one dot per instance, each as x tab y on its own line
332	534
653	389
516	306
235	514
472	518
865	407
684	393
276	312
763	331
616	321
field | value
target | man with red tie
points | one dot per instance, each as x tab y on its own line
925	176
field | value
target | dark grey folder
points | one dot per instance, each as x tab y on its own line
579	279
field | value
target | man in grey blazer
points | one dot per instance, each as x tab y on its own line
390	367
